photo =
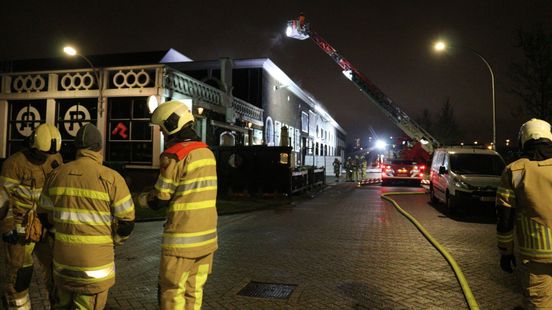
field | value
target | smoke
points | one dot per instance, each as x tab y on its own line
277	40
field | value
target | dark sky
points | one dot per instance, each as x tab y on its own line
389	41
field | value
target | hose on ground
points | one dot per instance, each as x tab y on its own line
470	299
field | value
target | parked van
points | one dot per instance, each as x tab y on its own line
462	176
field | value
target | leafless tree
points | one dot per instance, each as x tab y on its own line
532	78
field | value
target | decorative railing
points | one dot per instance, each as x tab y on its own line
31	82
186	85
247	111
145	80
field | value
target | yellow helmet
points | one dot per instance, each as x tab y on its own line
533	130
46	138
172	116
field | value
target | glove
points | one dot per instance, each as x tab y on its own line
118	240
143	200
11	237
507	262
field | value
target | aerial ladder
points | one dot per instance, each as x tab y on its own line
425	143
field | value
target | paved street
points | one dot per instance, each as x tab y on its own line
344	249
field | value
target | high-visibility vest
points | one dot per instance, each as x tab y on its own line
534	239
188	178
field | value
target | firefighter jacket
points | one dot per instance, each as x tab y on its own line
84	201
526	187
188	180
21	182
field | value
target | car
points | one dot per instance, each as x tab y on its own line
399	171
462	176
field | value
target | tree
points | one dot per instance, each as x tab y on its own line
445	128
425	120
532	78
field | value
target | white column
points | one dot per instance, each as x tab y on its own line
51	111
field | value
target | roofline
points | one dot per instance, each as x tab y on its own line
275	71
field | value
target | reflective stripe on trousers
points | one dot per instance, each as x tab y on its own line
90	274
19	303
181	281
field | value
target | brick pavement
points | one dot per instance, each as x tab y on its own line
344	249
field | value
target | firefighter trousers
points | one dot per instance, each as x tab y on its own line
19	271
75	301
181	281
537	284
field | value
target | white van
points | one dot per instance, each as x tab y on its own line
462	176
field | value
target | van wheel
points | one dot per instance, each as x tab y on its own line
452	204
432	197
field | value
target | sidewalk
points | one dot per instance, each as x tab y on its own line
344	249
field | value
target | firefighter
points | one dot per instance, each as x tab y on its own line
337	168
187	186
89	209
523	203
349	169
363	168
356	168
21	181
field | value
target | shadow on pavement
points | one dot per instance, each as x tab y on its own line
482	214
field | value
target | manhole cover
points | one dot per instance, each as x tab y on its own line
267	290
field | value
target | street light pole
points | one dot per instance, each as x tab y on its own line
73	52
440	46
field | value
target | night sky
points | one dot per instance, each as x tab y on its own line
388	41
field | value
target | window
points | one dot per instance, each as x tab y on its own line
476	164
24	117
304	122
277	128
129	131
71	115
297	144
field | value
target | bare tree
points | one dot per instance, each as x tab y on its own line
445	128
532	78
425	120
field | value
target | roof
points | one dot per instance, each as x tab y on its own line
273	70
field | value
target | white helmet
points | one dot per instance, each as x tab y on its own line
533	130
46	138
172	116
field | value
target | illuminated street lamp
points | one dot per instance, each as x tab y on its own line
441	46
71	51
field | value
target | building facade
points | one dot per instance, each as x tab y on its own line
315	137
235	102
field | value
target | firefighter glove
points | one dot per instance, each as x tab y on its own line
118	240
10	237
507	263
143	200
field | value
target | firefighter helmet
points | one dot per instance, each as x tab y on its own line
46	138
172	116
533	130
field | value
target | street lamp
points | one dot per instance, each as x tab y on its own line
71	51
441	46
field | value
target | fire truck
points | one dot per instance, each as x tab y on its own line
424	144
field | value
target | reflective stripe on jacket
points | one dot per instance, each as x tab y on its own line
527	186
189	181
83	199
